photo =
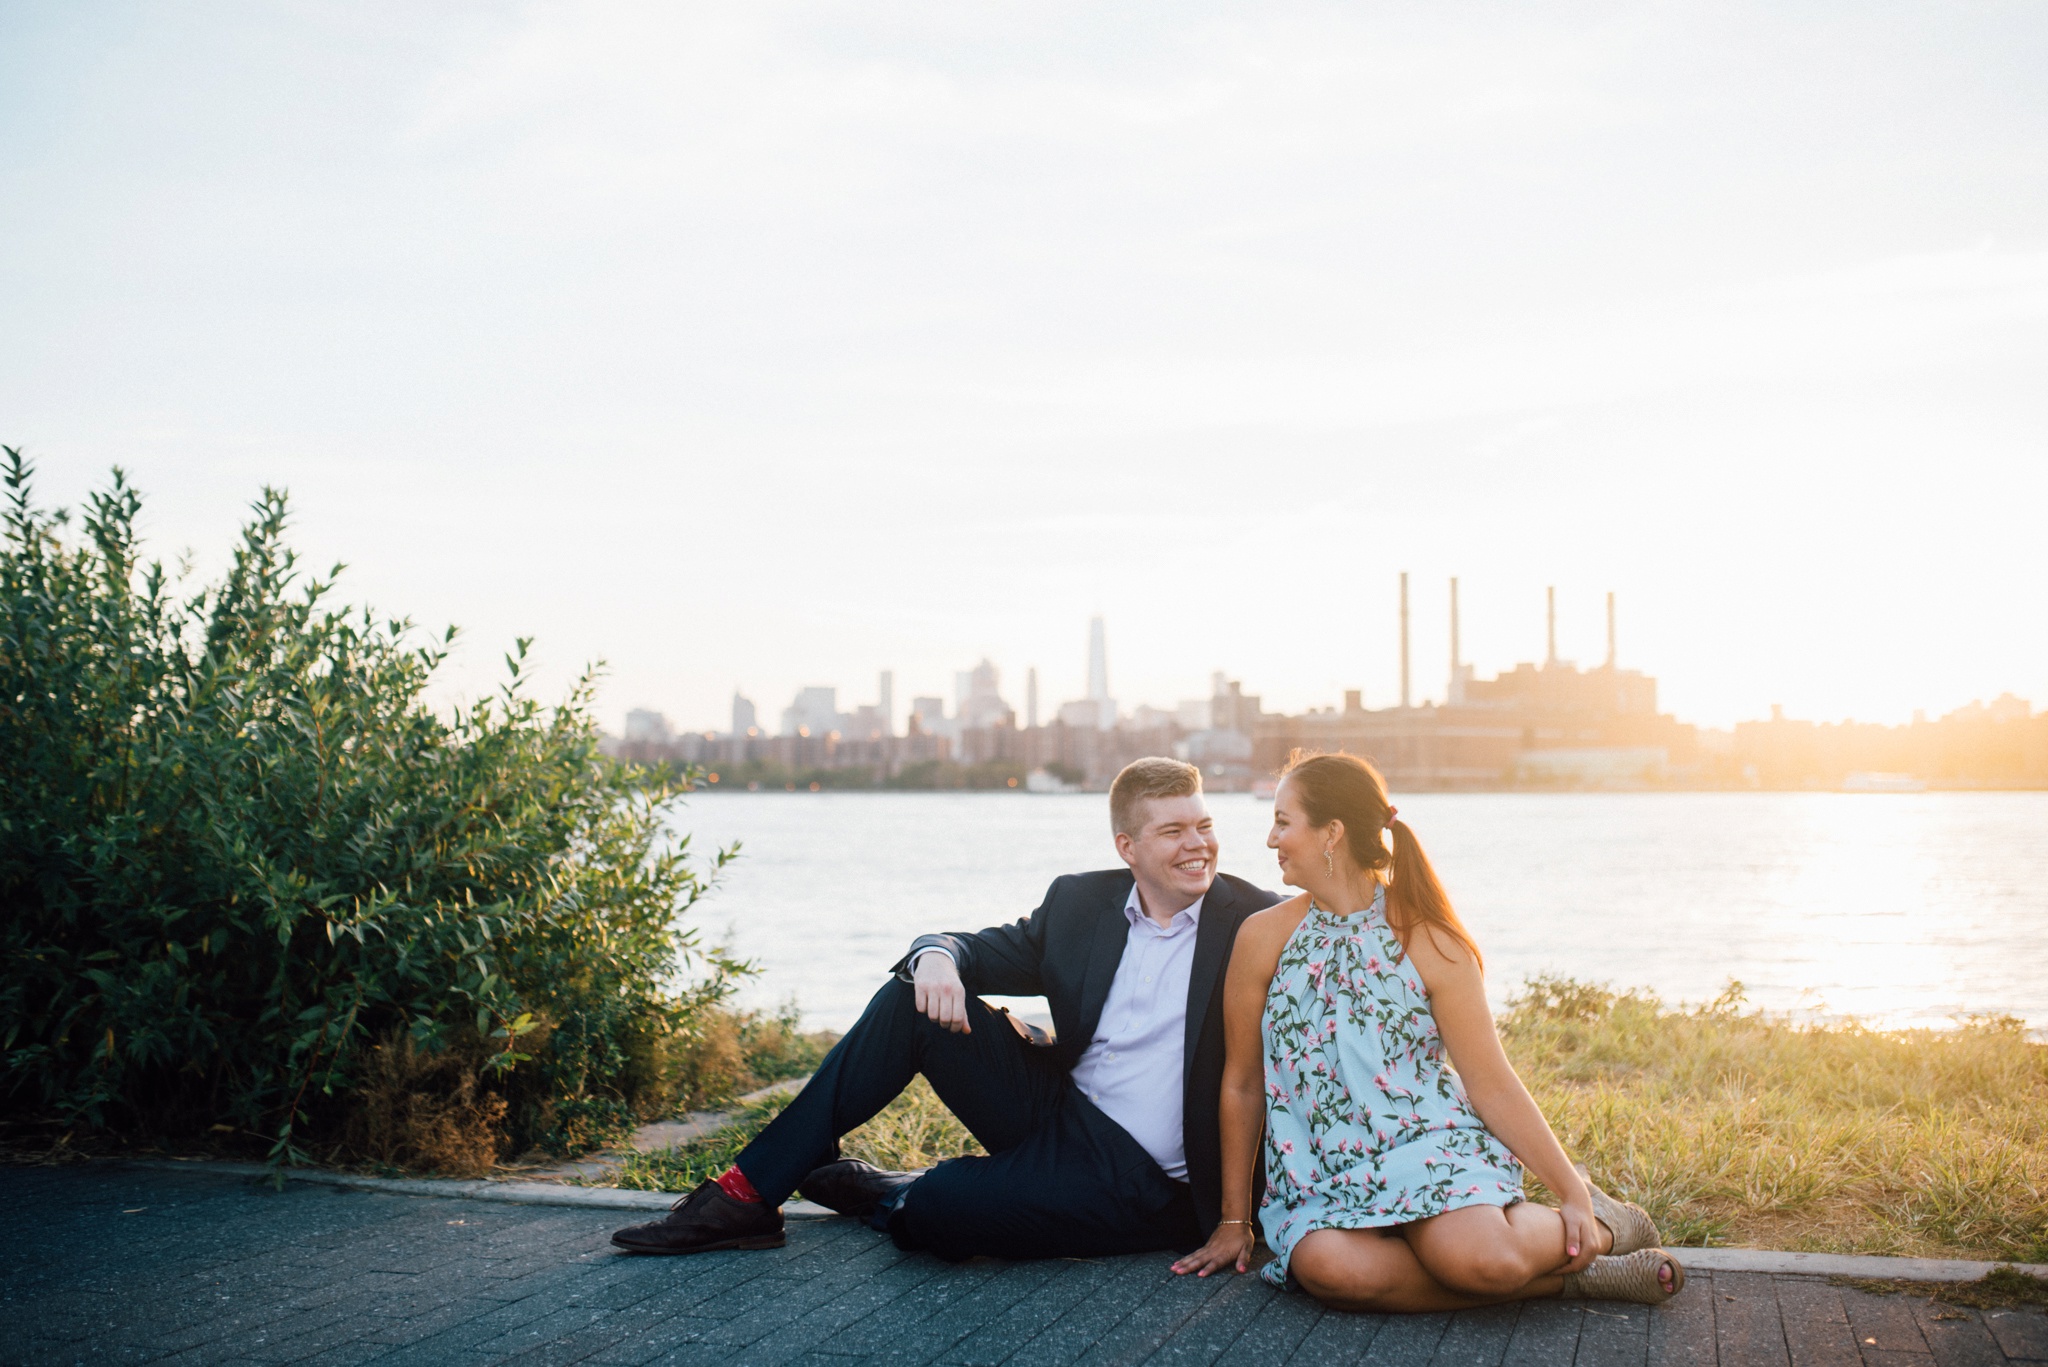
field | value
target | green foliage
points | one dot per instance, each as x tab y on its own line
237	849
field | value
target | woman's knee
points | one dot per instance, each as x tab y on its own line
1494	1270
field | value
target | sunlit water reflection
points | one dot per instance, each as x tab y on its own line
1901	909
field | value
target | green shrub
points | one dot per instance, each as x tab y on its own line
239	855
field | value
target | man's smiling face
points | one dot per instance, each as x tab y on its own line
1173	854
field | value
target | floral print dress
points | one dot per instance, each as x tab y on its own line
1366	1123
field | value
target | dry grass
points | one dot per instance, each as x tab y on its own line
426	1111
913	1131
1745	1129
1731	1127
2002	1288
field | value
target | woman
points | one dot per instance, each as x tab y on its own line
1392	1182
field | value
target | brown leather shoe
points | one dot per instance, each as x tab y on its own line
704	1220
852	1187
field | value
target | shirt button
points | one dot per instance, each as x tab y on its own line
1148	977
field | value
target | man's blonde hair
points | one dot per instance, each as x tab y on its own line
1142	779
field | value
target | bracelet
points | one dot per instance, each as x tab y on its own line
1246	1223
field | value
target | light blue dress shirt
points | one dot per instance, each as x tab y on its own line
1132	1069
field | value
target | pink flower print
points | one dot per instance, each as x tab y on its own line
1429	1162
1287	1146
1379	1080
1372	965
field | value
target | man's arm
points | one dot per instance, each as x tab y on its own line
1005	960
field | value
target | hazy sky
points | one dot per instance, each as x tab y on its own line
767	345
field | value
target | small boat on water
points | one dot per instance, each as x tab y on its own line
1264	788
1873	782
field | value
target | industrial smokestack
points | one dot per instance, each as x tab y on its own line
1610	628
1456	660
1404	638
1550	648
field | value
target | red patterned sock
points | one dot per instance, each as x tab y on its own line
734	1183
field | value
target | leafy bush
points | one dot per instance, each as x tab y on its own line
252	883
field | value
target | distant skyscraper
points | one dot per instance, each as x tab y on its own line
1031	696
886	704
814	713
647	727
1098	681
742	715
981	698
929	714
1098	662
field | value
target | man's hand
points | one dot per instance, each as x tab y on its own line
940	993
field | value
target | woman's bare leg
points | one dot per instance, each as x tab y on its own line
1508	1253
1479	1255
1371	1269
1495	1252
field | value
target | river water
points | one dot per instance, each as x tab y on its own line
1898	909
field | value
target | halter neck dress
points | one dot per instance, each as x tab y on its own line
1367	1125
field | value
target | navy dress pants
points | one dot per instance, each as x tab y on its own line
1060	1178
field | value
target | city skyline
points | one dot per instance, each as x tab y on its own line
814	708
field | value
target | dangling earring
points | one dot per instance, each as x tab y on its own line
1330	860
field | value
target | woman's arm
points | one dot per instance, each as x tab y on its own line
1457	998
1241	1107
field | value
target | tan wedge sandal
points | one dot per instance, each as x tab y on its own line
1629	1278
1629	1223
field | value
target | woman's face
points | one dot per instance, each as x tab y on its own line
1298	843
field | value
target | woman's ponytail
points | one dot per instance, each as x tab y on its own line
1416	896
1348	789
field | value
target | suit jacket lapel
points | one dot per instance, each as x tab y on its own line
1105	952
1212	944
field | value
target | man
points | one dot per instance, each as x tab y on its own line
1102	1140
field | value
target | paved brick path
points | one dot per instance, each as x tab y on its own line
100	1264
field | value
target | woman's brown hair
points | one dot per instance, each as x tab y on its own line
1348	789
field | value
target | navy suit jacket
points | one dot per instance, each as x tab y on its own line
1067	951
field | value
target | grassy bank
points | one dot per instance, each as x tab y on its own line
1732	1127
1738	1128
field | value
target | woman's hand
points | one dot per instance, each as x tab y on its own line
1229	1247
1581	1235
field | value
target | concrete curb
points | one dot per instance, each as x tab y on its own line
512	1193
1843	1264
615	1198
